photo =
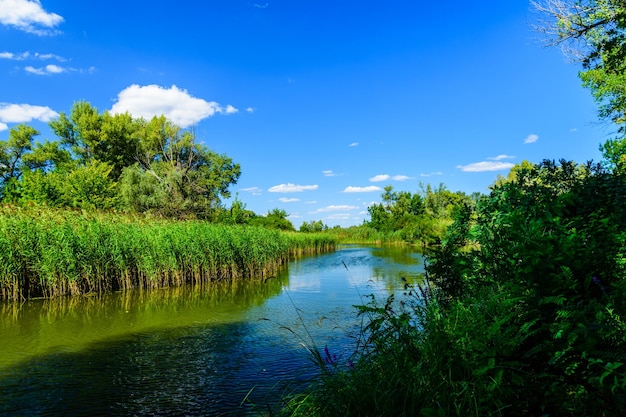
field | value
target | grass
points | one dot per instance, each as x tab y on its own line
48	253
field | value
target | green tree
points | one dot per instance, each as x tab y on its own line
314	226
175	176
275	219
13	157
236	214
89	135
593	32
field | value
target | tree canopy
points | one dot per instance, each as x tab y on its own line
105	161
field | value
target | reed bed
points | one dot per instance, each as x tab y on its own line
47	253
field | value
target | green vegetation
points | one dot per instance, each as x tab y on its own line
525	315
523	310
420	218
45	252
56	237
104	161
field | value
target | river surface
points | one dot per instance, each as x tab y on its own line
228	350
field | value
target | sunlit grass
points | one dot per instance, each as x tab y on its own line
46	253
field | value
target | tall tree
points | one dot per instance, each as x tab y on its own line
174	175
593	32
12	163
89	135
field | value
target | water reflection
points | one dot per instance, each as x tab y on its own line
193	350
70	323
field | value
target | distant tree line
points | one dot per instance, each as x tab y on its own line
417	217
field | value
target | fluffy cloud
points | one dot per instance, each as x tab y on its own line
47	70
486	166
288	200
379	178
29	16
531	139
291	188
368	189
23	113
329	173
353	144
174	103
3	126
431	174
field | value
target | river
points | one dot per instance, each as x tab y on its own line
226	350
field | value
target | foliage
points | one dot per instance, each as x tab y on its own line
90	135
594	33
12	163
46	252
525	315
416	218
275	219
314	226
104	160
175	176
236	214
553	238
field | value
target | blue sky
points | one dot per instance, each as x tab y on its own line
323	103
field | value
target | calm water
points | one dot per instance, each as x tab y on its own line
232	351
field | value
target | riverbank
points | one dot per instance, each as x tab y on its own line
49	252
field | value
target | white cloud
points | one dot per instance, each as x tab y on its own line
250	109
47	70
55	69
335	208
385	177
501	157
253	190
231	110
339	216
353	144
369	189
10	55
27	55
48	56
431	174
174	103
486	166
3	126
29	16
379	178
22	113
531	139
291	188
329	173
288	200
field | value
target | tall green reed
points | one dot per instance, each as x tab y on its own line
46	252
